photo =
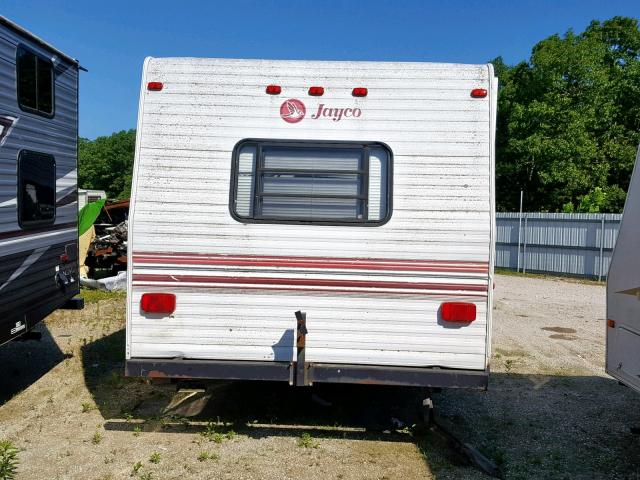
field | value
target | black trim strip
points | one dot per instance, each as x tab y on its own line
316	372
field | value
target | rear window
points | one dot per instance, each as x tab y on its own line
311	182
36	189
35	83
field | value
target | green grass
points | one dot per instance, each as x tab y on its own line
97	438
306	441
136	468
94	296
87	407
155	457
8	460
212	435
204	456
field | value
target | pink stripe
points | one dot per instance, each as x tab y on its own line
307	282
312	262
333	290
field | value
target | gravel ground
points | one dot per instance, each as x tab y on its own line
550	412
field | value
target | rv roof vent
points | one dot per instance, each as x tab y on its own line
274	89
479	92
154	86
359	92
316	91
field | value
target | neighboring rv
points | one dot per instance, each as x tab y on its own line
88	196
38	180
310	221
623	293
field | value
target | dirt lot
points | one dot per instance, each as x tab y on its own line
550	413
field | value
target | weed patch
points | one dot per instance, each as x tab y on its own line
8	460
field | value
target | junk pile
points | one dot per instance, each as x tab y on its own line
103	244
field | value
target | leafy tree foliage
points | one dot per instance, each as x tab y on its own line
569	120
106	163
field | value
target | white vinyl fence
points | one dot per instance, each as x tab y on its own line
578	244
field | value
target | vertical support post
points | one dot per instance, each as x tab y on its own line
301	337
519	229
601	249
524	248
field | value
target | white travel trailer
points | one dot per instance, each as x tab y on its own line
623	293
311	221
38	180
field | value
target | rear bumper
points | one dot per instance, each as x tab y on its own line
314	373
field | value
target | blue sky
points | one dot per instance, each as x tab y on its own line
111	38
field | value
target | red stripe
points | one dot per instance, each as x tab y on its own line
313	262
307	282
336	290
24	233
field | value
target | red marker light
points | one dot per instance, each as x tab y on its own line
316	91
360	92
274	89
458	312
479	92
154	86
158	303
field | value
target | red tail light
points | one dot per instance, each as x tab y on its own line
458	312
154	86
274	89
158	303
360	92
479	92
316	91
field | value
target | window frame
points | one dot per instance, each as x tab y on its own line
34	224
267	142
23	48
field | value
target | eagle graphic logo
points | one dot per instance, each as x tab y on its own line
6	125
292	110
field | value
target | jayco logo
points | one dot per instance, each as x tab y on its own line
293	110
336	114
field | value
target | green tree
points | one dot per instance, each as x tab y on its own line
106	163
569	120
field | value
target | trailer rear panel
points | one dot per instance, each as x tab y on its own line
367	213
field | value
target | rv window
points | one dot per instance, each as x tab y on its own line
35	83
325	183
36	189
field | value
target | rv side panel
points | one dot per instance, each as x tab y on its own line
38	247
623	293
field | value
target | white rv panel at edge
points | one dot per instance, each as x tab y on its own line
623	293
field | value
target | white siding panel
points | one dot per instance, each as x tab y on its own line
442	203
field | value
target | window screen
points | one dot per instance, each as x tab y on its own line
35	83
36	189
330	183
